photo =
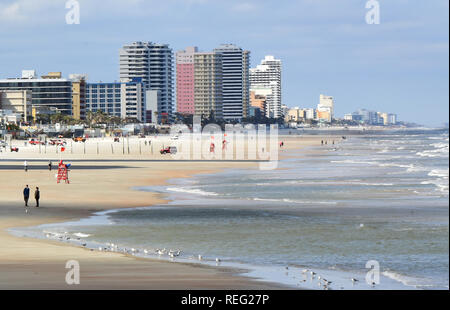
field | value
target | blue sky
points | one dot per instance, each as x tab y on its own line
399	66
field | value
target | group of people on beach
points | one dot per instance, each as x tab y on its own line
26	195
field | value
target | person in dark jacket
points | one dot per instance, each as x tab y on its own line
26	195
37	196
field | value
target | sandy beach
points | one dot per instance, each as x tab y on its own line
40	264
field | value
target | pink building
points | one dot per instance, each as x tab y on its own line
185	80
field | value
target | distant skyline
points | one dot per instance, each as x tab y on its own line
399	66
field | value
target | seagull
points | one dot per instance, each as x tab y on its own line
304	270
99	248
199	257
217	260
83	244
354	280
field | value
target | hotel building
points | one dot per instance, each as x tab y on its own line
235	81
49	91
268	75
124	99
152	63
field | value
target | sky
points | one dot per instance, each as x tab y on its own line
400	65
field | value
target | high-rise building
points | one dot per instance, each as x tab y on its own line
152	63
208	87
235	85
185	80
268	75
49	91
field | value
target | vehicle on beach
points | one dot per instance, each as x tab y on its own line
57	142
169	150
79	139
35	142
14	149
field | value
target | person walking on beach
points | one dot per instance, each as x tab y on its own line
25	165
49	165
37	196
26	195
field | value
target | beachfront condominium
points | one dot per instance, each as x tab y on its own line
199	83
267	76
152	62
208	96
185	80
49	91
235	81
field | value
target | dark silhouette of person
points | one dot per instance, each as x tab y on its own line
50	166
37	196
26	195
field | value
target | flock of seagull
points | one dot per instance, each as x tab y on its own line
112	247
321	281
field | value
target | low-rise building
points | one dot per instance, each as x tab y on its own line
17	102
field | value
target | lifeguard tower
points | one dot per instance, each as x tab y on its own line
63	173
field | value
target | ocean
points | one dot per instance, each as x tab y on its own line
331	209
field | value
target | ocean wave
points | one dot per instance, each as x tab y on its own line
349	161
441	150
439	173
295	201
405	280
441	184
81	235
194	191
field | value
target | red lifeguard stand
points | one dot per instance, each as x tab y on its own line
63	173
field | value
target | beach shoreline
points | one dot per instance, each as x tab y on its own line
39	256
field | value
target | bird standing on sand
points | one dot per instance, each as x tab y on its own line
354	280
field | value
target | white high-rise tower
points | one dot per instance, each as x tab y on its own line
265	76
152	63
